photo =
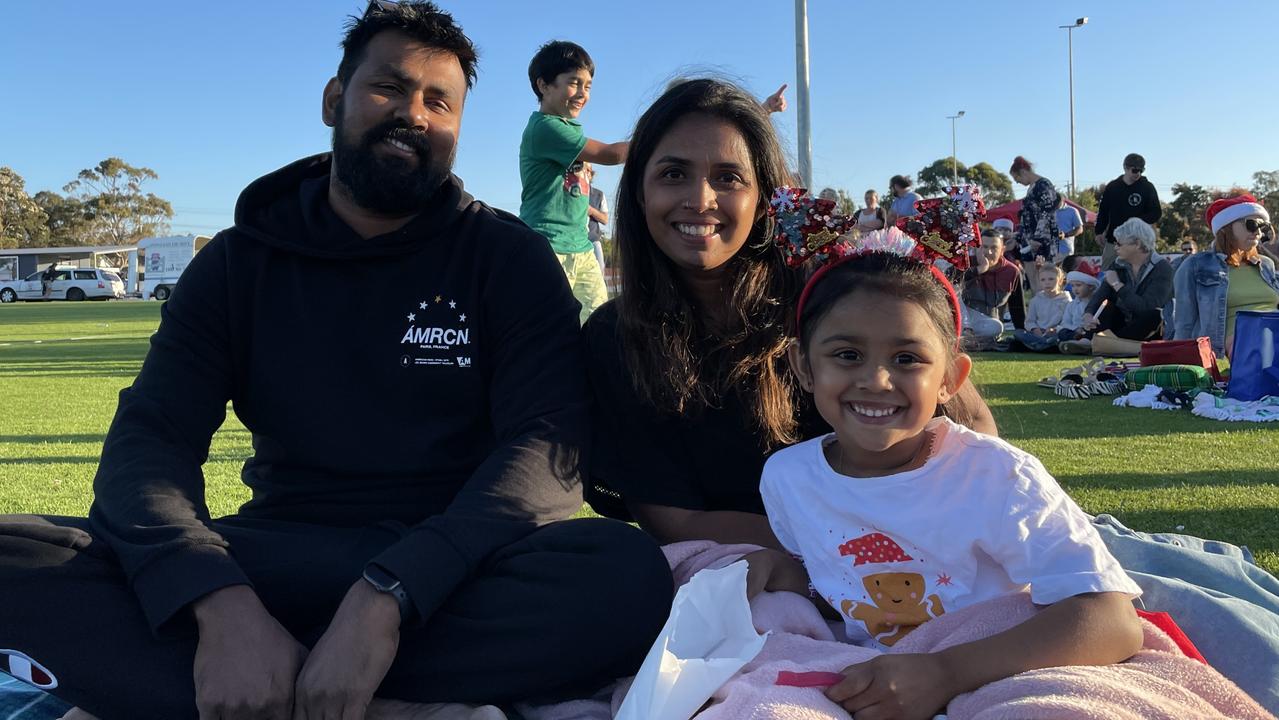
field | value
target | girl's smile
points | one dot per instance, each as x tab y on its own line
877	367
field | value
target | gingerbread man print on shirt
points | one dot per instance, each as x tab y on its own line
898	603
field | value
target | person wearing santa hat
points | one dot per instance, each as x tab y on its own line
1232	275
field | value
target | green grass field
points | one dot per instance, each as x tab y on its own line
62	364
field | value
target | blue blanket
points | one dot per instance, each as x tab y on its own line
1228	607
20	701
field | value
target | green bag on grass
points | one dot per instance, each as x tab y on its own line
1169	377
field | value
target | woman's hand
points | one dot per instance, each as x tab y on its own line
774	571
895	687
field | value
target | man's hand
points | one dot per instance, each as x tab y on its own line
1111	278
774	571
894	687
246	662
776	102
349	662
1089	322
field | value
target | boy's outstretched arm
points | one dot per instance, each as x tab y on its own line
1090	629
604	153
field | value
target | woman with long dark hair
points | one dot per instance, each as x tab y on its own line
688	365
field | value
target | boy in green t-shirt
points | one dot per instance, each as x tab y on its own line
556	193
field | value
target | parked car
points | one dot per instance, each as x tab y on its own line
70	283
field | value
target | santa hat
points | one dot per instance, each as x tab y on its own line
1227	210
1003	224
873	548
1082	277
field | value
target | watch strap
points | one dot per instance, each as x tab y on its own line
384	582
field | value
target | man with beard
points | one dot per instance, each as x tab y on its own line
416	450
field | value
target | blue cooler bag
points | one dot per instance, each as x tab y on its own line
1254	363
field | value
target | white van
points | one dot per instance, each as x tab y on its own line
163	259
69	283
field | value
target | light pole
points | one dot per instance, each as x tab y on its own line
954	164
802	109
1070	57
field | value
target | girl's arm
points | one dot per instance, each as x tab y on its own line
969	409
1091	629
728	527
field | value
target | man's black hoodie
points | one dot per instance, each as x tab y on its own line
1121	202
430	376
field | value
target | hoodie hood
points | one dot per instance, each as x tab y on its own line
289	209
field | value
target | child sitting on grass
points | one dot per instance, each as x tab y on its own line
1044	316
1073	338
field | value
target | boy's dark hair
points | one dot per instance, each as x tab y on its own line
421	21
900	181
555	57
1133	160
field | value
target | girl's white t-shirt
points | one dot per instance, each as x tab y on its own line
980	519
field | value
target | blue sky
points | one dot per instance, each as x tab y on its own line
214	94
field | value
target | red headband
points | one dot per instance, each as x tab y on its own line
943	228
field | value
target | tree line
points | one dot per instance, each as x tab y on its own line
105	205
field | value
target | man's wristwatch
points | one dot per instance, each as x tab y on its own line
385	582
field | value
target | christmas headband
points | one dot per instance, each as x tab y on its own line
810	229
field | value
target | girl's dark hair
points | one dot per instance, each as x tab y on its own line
555	58
891	275
682	360
1019	164
900	181
421	21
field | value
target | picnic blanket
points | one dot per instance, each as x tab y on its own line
20	701
1159	682
1227	606
1215	408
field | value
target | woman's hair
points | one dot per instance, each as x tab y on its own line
681	361
869	193
1136	230
900	181
1057	273
1224	243
1020	164
887	274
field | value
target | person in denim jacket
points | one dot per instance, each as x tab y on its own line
1214	285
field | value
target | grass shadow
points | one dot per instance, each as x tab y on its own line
1196	479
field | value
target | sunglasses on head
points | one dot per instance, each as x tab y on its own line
380	6
1253	225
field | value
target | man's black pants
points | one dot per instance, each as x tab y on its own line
562	611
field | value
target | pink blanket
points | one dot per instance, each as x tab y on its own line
1158	682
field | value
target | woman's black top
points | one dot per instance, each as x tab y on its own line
710	459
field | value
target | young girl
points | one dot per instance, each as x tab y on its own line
1046	311
900	516
1074	339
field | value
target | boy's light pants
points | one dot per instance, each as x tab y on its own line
586	280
